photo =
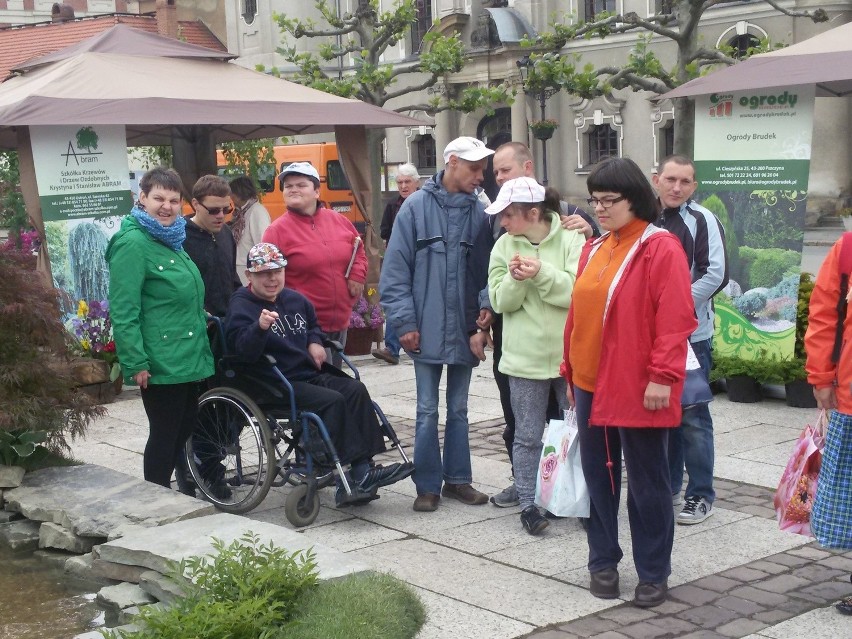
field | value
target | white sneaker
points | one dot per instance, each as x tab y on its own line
695	510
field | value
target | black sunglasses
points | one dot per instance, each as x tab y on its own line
216	210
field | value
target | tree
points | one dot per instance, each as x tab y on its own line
87	139
643	70
366	35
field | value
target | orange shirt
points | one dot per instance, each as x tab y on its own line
589	301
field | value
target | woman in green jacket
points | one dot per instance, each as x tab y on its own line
530	279
156	299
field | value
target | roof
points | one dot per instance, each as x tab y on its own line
21	43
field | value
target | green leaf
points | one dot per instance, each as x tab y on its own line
547	450
24	449
33	436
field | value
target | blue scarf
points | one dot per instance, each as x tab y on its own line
172	236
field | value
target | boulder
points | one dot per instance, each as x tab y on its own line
122	596
160	587
117	572
55	536
20	536
11	476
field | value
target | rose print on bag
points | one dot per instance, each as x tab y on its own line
547	471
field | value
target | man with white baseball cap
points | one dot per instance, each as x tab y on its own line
319	244
430	293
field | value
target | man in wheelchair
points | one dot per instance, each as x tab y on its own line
264	318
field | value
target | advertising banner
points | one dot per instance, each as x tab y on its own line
752	158
84	191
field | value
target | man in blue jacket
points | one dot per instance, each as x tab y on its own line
430	294
703	240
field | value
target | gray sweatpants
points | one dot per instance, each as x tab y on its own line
529	404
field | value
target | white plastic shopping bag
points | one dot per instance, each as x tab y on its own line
560	487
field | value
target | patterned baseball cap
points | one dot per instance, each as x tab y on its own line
265	257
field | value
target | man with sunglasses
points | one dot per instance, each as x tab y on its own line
210	244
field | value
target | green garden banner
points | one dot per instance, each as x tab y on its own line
84	190
752	158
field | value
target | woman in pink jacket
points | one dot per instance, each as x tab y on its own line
625	358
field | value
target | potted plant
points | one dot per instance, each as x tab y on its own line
739	376
799	393
92	328
365	325
846	215
543	129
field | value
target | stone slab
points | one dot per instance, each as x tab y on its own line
156	548
116	572
91	501
11	476
160	587
9	515
444	615
822	623
122	596
19	536
52	535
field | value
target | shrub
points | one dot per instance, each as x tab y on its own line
768	264
37	391
732	247
751	302
806	287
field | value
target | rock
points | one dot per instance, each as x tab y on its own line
160	587
7	515
120	631
80	567
20	535
11	476
157	548
117	572
55	558
92	501
55	536
122	596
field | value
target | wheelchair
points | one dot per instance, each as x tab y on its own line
251	437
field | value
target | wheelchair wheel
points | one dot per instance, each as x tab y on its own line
230	454
299	509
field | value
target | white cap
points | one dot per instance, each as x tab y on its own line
467	148
522	189
299	168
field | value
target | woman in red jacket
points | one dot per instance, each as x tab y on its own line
625	357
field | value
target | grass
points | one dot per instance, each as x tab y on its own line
364	606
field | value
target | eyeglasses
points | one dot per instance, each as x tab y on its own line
607	204
217	210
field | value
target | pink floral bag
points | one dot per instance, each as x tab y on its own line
561	487
797	488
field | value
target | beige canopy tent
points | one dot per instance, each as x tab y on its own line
156	97
825	60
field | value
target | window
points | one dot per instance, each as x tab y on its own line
336	177
663	7
594	7
421	25
249	10
603	142
265	175
667	140
425	151
741	44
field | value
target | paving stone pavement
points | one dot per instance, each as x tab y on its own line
480	576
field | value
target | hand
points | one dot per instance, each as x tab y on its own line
141	378
478	342
317	354
485	319
826	397
569	394
410	341
528	269
657	396
576	223
267	319
355	288
514	264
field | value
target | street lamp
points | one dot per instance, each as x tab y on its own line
524	65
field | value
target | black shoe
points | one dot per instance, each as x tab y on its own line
379	476
532	520
844	606
401	472
648	594
185	484
221	490
604	583
359	496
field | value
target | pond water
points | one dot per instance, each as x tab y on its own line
39	601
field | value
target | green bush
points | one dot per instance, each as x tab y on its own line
764	266
806	287
732	247
750	303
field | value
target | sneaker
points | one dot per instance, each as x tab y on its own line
359	496
532	520
695	510
677	500
377	477
465	493
506	498
385	355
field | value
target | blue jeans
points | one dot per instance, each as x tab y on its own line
429	469
391	340
691	443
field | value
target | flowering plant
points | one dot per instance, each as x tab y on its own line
366	314
92	327
544	126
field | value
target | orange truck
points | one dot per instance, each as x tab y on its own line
335	192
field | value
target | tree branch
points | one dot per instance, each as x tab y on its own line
816	16
623	78
420	87
711	56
